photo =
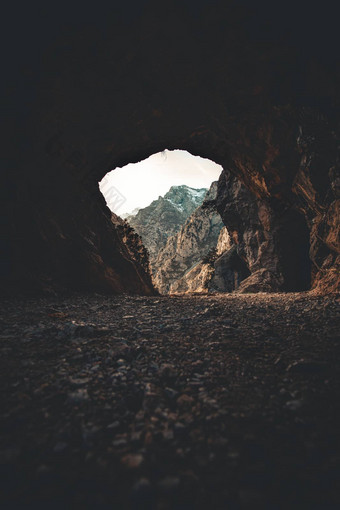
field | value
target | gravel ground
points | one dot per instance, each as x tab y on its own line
176	402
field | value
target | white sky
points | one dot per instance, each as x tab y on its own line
138	184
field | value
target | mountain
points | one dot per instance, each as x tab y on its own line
210	273
188	247
165	216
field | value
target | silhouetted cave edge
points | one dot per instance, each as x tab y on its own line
267	112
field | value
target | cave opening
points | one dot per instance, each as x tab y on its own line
194	227
169	201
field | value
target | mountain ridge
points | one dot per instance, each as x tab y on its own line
186	248
165	216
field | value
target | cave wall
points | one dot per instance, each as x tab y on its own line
104	91
271	238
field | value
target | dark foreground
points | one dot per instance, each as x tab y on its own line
220	402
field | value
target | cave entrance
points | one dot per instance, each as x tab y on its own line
169	200
194	228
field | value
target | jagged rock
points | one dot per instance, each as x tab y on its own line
175	262
135	248
224	242
316	185
229	271
271	239
262	280
196	279
165	216
132	461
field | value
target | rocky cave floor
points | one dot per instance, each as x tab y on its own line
182	402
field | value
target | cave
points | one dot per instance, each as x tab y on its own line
172	208
115	395
279	141
271	240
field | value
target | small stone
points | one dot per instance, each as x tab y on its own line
294	405
167	372
119	443
136	436
170	393
79	396
79	381
185	401
113	425
168	434
140	415
179	428
132	460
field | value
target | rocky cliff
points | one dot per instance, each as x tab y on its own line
188	247
267	236
165	216
134	247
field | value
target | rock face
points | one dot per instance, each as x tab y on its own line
187	248
229	270
165	216
78	252
317	185
264	248
224	242
133	243
267	236
246	85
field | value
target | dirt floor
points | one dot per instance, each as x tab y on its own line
183	402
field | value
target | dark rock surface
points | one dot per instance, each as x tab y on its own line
136	249
229	271
252	86
170	402
270	239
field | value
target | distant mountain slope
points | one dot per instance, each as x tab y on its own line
165	216
184	250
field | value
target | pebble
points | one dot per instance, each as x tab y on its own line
113	425
132	461
80	381
171	393
79	396
185	401
172	399
118	443
294	405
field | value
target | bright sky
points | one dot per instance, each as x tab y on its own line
136	185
